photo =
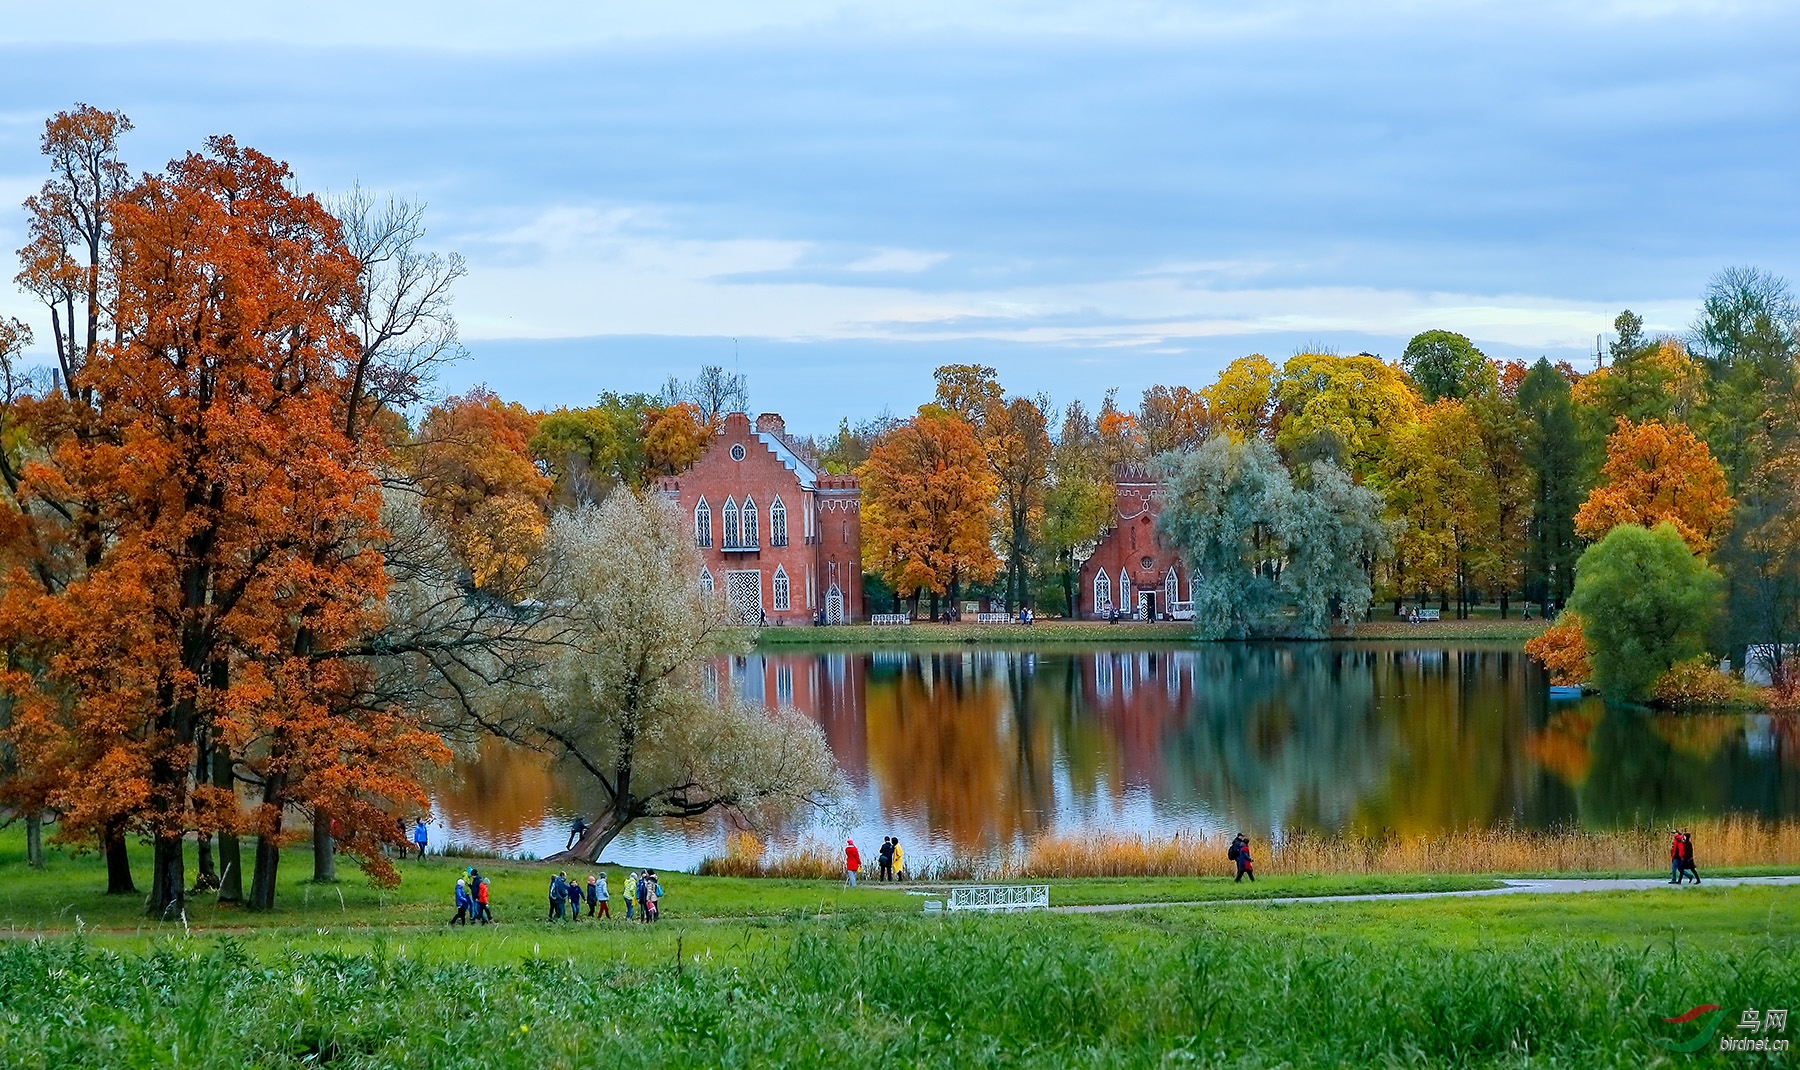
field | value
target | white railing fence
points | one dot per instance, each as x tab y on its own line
999	897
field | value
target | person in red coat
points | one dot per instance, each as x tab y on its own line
852	861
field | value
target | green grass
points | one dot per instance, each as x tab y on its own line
1580	981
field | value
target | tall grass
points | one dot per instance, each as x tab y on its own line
1729	841
1062	992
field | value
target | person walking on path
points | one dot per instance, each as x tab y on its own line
482	913
652	897
627	888
1675	858
899	861
642	893
593	897
1240	853
852	861
420	835
886	855
1687	856
559	889
601	892
462	903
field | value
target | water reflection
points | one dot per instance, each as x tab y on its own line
972	750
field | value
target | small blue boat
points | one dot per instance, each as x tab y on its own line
1564	692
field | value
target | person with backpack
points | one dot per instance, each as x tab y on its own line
652	897
641	892
886	855
1240	853
899	861
559	890
1687	857
462	903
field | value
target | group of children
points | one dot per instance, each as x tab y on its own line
642	890
472	899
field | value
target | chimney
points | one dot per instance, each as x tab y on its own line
769	423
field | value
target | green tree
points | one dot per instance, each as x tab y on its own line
1553	452
1747	339
1443	364
1646	602
1078	502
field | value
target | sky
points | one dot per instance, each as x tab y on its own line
835	198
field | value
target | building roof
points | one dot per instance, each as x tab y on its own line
808	478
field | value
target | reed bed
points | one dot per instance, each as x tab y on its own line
1727	841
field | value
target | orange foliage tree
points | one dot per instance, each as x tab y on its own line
1562	650
197	525
473	462
928	496
1656	472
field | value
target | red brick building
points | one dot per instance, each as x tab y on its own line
781	542
1131	569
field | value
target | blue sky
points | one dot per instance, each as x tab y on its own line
1083	195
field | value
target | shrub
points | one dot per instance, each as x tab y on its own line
1696	682
1562	650
1646	602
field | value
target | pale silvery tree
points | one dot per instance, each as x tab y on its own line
625	702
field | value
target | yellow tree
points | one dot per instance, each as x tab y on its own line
473	462
1173	418
1243	398
1348	406
927	498
1656	472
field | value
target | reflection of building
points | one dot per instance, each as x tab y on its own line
1131	569
780	541
828	688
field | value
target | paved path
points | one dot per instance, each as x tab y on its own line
1546	886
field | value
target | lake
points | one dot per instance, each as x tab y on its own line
971	750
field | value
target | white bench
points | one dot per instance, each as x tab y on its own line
993	897
1425	615
996	618
889	618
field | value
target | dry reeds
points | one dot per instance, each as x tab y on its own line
1727	841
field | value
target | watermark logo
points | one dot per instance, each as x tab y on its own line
1749	1035
1709	1015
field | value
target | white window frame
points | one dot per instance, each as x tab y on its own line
777	523
1102	591
1126	606
781	596
706	581
731	538
1171	590
747	520
703	524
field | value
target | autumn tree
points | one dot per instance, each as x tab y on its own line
624	706
968	390
624	440
1173	418
1344	408
1242	399
1562	650
927	501
1504	431
1120	439
1016	439
473	461
207	438
1658	472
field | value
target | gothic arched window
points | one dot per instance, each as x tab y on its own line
750	532
1125	605
782	600
730	541
702	524
706	580
777	523
1102	592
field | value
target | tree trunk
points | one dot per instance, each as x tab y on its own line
587	849
262	883
268	848
118	865
34	840
231	864
168	878
207	875
324	851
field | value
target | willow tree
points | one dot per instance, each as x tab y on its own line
627	705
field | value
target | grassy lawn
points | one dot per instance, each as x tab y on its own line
1579	981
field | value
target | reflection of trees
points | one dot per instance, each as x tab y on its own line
1279	735
946	743
499	793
